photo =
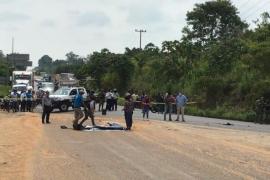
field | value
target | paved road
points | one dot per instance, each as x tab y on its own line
152	150
204	121
195	120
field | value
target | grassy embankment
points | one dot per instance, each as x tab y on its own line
219	112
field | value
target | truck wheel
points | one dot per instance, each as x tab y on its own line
63	107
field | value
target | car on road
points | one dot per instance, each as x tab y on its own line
63	98
47	86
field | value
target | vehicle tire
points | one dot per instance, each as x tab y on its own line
63	107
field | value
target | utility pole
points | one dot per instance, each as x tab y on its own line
12	49
12	54
140	31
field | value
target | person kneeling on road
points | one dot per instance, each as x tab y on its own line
78	114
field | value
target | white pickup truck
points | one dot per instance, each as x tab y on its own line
63	98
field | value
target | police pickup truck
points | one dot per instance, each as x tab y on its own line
63	98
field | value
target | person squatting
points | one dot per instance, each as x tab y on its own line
89	108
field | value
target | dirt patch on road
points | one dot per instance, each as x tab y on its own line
20	133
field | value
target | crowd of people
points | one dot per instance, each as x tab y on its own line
19	102
111	99
168	103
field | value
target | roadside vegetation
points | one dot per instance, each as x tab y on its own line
4	90
4	73
219	62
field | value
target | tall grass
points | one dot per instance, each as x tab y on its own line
223	113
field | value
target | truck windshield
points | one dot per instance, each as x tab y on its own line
50	85
23	77
20	88
62	91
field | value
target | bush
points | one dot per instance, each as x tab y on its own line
223	113
4	90
121	101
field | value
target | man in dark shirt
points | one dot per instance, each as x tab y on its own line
128	109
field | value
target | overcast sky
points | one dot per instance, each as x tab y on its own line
55	27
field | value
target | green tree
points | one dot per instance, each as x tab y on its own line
44	63
213	21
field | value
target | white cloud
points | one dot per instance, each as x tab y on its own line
11	17
92	18
48	23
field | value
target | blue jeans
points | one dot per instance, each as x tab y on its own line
168	109
146	112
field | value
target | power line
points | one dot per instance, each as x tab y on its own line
140	31
256	9
249	8
12	48
244	4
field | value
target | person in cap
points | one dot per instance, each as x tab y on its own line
181	101
128	111
78	114
46	107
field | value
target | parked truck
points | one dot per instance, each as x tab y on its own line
66	80
23	77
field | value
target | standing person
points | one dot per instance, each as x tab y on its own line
101	98
46	107
78	114
14	100
259	109
169	100
34	100
160	101
109	100
23	101
115	96
128	111
146	106
181	101
29	98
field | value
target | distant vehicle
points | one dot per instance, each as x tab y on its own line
19	88
46	86
66	79
23	77
47	78
63	97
